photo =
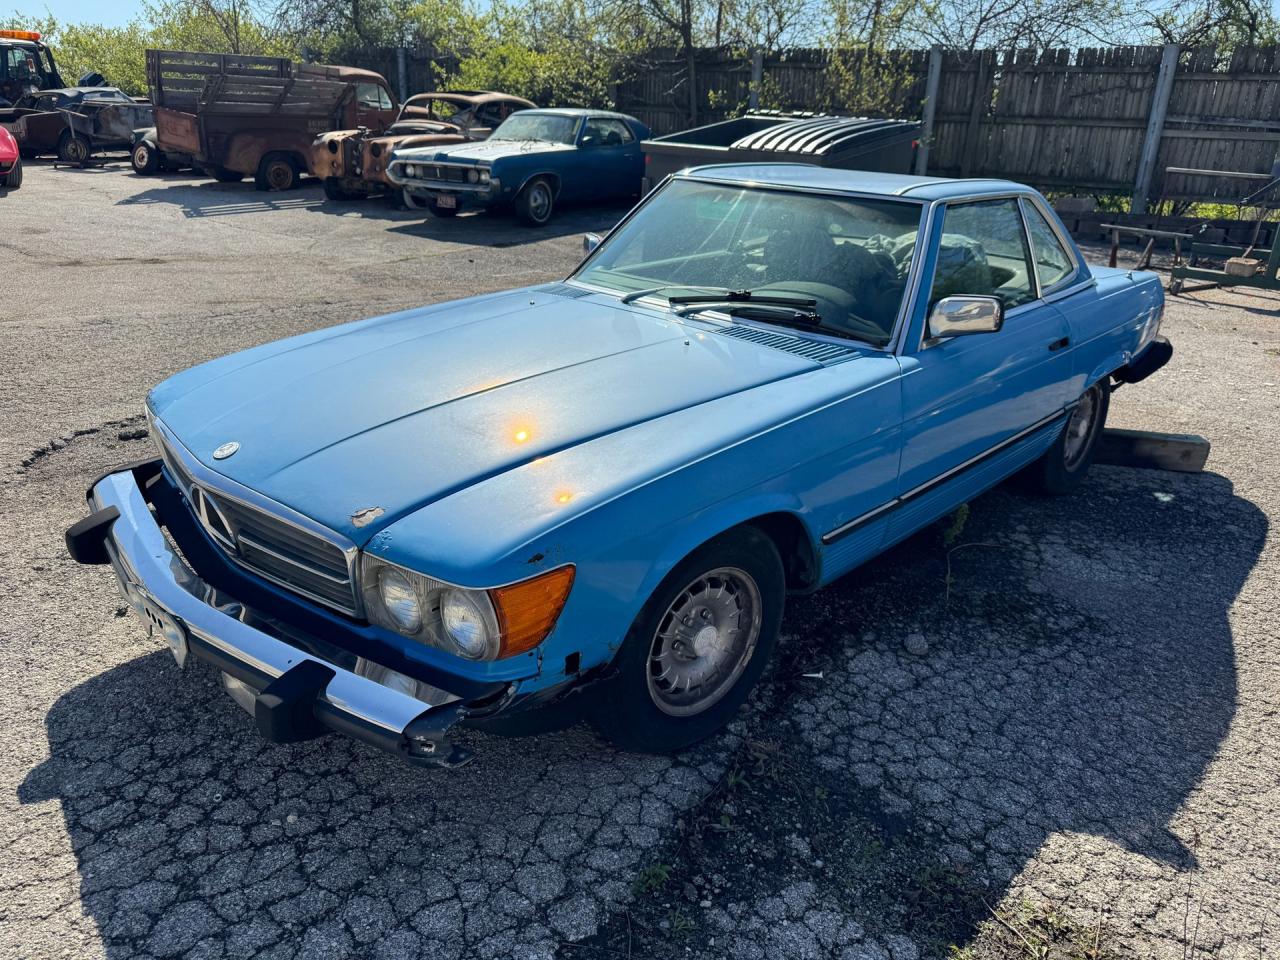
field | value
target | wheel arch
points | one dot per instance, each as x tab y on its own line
549	175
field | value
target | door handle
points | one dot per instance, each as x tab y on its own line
1059	344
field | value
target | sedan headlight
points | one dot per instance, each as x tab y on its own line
399	599
473	176
474	624
484	176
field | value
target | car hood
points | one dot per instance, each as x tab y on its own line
394	413
483	151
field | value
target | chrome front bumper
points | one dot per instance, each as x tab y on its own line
295	694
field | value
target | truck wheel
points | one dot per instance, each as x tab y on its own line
13	179
439	211
698	646
1065	464
536	202
145	159
73	148
277	171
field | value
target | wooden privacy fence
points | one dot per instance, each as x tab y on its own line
1108	119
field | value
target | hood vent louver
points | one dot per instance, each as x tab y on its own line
817	350
564	290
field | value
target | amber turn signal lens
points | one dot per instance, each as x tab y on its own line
528	610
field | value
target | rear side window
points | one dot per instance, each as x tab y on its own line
1053	263
606	132
984	252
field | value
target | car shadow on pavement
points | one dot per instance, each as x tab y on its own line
1039	688
209	198
1079	678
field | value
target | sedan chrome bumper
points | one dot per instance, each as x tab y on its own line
294	694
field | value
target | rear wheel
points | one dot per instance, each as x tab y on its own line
536	202
277	171
698	646
145	159
13	179
223	175
73	148
1065	464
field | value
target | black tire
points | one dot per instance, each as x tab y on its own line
628	710
74	149
277	171
145	159
1065	464
13	179
333	191
536	203
223	175
438	211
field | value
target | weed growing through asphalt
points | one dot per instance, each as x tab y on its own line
651	879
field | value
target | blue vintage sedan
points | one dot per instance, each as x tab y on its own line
535	160
595	495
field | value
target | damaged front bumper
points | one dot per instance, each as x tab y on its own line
297	686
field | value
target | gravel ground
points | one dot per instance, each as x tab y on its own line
1067	711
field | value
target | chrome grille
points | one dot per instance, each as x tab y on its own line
270	546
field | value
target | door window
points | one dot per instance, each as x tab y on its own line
373	96
984	252
1053	263
606	132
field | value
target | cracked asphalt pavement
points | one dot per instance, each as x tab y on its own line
1069	703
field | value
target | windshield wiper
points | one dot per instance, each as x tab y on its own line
650	291
780	313
742	296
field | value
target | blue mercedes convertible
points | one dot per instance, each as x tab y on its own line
593	496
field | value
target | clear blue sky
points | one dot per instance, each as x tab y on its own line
113	13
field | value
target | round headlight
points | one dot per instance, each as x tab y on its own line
484	176
465	623
410	170
473	176
400	599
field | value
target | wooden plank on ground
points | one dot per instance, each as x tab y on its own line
1183	453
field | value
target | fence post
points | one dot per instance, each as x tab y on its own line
757	76
930	107
402	69
984	70
1155	128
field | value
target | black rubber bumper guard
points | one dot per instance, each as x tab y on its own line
297	694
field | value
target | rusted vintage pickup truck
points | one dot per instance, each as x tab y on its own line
238	115
353	163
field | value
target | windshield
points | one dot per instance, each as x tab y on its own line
537	126
850	255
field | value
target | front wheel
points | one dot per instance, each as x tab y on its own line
13	179
145	159
1065	464
698	646
536	202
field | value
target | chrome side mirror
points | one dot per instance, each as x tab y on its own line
590	241
961	316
